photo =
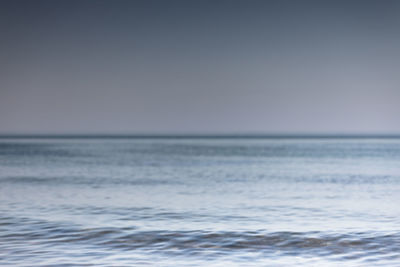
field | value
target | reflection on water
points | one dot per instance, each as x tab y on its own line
199	202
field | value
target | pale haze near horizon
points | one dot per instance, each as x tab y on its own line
132	67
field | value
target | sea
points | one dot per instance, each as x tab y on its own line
199	201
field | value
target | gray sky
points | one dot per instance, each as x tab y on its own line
200	67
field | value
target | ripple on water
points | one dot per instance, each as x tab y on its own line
18	232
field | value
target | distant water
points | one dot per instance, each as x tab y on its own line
200	202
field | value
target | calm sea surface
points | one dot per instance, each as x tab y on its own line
200	202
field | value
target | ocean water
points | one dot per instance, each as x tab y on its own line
200	202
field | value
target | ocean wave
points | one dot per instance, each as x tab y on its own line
357	244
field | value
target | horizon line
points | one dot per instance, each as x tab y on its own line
195	136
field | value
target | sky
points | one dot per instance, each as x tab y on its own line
200	67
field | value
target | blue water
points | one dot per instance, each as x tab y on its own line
200	202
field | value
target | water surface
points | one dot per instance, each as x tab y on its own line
200	202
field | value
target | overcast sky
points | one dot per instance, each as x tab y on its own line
135	67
